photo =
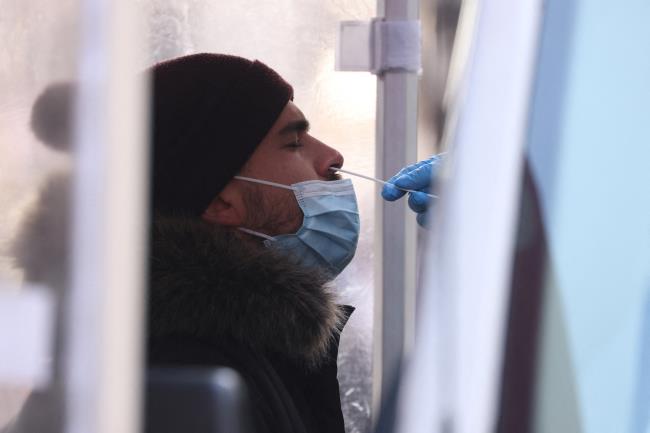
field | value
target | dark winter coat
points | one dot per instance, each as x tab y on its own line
219	300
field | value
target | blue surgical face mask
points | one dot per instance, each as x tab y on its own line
330	228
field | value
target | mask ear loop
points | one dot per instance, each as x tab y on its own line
254	233
263	182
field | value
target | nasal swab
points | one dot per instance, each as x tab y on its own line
380	181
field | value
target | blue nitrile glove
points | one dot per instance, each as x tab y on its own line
416	177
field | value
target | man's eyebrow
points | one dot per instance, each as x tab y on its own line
301	125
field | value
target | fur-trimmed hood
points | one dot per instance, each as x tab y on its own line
207	282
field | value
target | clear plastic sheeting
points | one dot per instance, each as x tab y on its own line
298	39
452	381
38	47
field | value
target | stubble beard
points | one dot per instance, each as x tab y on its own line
271	214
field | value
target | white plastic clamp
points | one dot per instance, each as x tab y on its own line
379	46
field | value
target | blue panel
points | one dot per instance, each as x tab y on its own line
590	151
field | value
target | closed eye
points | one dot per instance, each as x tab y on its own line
294	144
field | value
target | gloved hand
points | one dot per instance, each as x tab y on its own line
415	177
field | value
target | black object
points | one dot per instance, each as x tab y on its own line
196	400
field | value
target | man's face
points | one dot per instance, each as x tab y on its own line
287	155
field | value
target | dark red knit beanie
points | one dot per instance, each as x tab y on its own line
210	111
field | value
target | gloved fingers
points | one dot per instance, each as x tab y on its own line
416	165
416	176
418	179
419	201
407	170
390	193
423	219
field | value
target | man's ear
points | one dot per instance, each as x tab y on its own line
223	212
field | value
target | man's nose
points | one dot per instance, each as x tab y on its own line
327	157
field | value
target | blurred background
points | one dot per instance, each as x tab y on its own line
532	283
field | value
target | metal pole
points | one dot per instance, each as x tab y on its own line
397	94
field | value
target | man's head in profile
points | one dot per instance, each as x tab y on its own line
249	226
216	116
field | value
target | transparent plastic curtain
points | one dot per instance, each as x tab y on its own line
38	48
453	376
298	38
72	193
